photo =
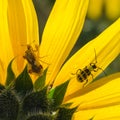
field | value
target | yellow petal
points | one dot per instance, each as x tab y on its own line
107	113
61	32
106	46
17	27
102	93
100	100
95	9
112	9
6	53
23	27
31	22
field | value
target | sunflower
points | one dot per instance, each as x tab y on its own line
63	91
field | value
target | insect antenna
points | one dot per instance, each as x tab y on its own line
96	62
95	56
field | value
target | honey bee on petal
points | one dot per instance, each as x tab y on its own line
31	55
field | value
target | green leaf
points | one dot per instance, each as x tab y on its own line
40	82
65	114
23	83
36	101
57	94
9	105
10	74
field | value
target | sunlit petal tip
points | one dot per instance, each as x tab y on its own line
61	32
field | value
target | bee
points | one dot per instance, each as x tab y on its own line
31	56
83	74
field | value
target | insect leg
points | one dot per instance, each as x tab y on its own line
85	83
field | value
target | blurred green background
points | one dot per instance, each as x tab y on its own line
92	28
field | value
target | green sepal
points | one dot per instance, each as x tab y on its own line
65	113
40	117
57	95
9	105
40	82
10	74
51	93
36	101
23	83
